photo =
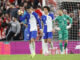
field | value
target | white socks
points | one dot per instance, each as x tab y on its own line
51	45
46	47
32	47
43	46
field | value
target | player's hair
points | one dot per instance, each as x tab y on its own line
60	9
47	8
29	6
60	12
65	10
39	6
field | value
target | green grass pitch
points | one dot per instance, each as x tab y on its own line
41	57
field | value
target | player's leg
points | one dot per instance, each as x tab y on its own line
33	37
50	39
43	49
32	48
66	40
30	44
61	40
50	43
61	46
45	43
50	35
65	45
50	47
46	46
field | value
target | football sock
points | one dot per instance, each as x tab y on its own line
65	45
61	48
31	48
51	45
34	46
46	47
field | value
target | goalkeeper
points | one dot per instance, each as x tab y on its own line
62	26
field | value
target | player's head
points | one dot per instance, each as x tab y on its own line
38	7
46	9
29	9
64	11
60	12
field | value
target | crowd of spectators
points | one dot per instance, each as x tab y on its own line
9	17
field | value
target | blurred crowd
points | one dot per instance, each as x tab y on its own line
10	20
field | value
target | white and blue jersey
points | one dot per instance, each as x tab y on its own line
23	17
32	20
47	21
23	20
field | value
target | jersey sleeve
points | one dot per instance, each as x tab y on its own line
52	15
23	17
69	18
38	20
56	19
27	16
42	18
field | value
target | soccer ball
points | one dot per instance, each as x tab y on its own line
20	12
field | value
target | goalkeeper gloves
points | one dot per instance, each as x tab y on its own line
57	28
68	27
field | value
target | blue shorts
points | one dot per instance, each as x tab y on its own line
33	35
47	35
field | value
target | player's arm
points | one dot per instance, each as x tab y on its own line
20	13
27	17
42	19
22	17
70	21
56	25
39	22
23	23
53	25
